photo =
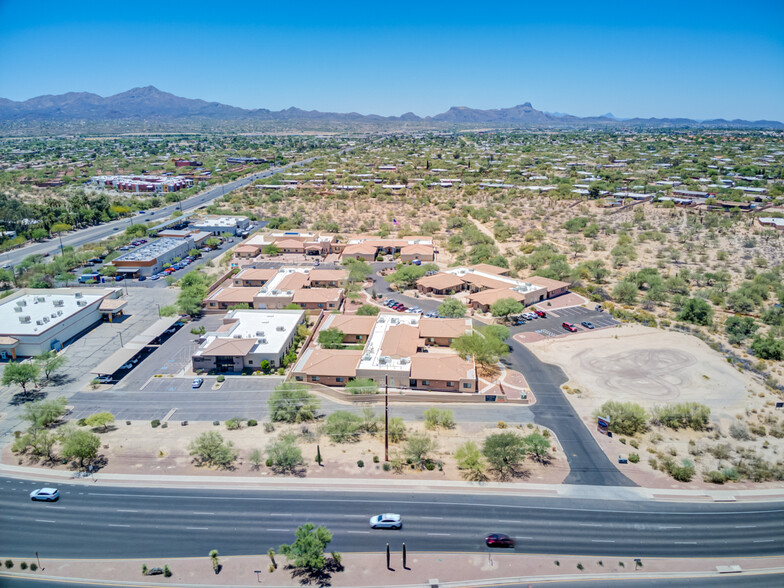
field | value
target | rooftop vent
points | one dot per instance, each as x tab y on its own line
81	303
262	341
46	319
280	328
25	319
39	322
59	302
259	333
18	308
78	294
238	336
59	313
22	302
40	298
54	315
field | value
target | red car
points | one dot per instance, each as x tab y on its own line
541	313
569	327
499	540
401	308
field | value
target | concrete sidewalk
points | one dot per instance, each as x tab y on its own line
422	569
215	480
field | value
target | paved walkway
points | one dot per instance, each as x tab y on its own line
422	569
213	480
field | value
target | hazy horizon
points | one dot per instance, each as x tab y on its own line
701	60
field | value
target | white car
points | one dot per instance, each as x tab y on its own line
386	521
45	494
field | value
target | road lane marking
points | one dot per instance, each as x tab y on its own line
589	524
278	530
745	526
440	534
764	540
277	514
180	497
344	516
56	507
196	528
204	513
111	525
359	532
433	518
43	521
685	542
602	540
669	527
123	510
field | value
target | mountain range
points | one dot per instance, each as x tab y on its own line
152	105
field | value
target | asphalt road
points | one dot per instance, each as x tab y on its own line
95	521
747	579
96	233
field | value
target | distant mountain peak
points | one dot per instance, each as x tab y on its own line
148	103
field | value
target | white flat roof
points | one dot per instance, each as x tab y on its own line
271	287
219	221
270	328
372	358
48	308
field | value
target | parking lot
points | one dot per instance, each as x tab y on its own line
232	384
551	325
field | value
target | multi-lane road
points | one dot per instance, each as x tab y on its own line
99	521
96	233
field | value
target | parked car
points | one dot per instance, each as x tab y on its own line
541	313
569	327
45	494
587	324
197	383
156	277
127	366
386	521
499	540
142	278
104	379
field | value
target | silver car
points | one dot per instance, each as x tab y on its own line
45	494
386	521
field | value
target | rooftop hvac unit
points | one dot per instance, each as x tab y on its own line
59	313
81	303
366	357
259	333
59	302
262	341
22	302
39	322
25	319
40	298
383	360
78	294
238	336
405	360
46	319
280	328
18	308
54	315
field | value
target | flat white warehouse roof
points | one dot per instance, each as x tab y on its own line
32	314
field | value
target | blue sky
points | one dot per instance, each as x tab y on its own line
687	58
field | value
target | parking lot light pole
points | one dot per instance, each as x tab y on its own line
386	418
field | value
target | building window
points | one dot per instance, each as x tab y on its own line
250	362
315	378
425	382
450	384
338	379
359	337
299	378
467	385
320	305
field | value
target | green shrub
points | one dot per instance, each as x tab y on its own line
375	459
360	463
233	424
164	425
269	428
144	569
23	565
155	423
81	422
386	467
167	572
343	426
626	418
715	477
634	458
33	567
216	423
686	415
430	466
252	422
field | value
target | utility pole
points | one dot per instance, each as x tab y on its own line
386	418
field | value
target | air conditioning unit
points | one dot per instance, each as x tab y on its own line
262	341
18	308
59	313
280	328
238	336
59	302
25	319
78	294
46	319
22	302
41	298
53	315
81	303
259	333
39	322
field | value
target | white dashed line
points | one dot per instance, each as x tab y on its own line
440	534
764	541
111	525
196	528
278	530
120	510
602	541
43	521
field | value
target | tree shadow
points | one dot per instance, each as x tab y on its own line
310	576
60	380
29	396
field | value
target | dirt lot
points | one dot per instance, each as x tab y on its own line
140	449
653	367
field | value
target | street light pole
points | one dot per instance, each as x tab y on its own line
386	418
